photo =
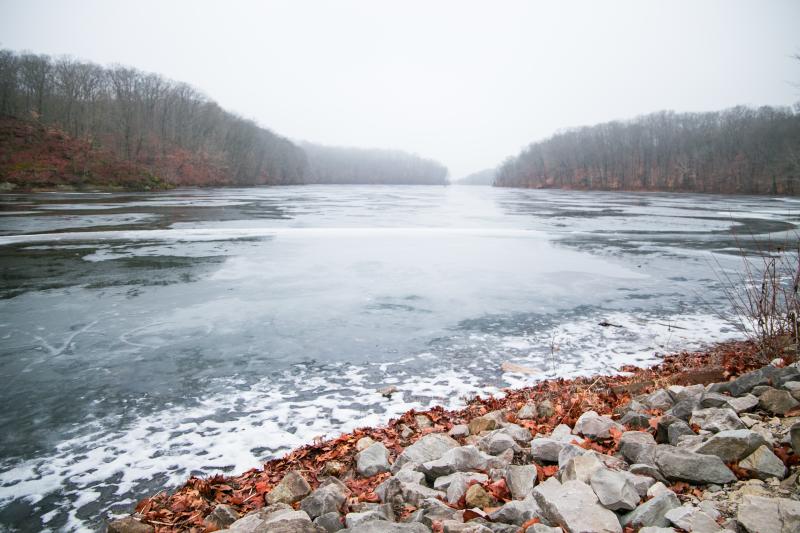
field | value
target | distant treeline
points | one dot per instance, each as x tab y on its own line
482	177
327	164
164	128
739	150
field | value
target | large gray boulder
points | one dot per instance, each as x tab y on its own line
614	490
277	520
717	419
745	383
633	443
373	460
653	511
497	442
428	448
659	399
328	498
731	445
763	464
777	401
769	515
592	425
678	464
459	459
574	506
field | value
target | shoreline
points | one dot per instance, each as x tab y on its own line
564	402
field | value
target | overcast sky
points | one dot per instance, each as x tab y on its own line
466	83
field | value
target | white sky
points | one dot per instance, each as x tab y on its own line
467	83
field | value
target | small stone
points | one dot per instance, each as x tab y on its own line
716	419
221	517
613	490
677	430
793	387
292	488
527	412
731	445
478	497
373	460
516	512
743	404
634	420
777	401
333	468
387	391
423	421
652	512
656	489
363	443
458	431
480	424
546	450
581	468
330	522
763	464
639	482
794	438
760	515
129	525
378	513
692	519
497	442
649	470
520	480
659	399
568	452
592	425
545	409
633	443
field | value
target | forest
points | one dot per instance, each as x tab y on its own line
738	150
68	122
329	164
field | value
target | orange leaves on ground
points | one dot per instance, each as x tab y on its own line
544	472
499	490
529	523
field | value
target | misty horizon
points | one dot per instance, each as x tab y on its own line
355	75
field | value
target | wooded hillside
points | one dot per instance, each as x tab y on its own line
330	164
66	122
739	150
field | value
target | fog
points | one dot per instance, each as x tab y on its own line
466	83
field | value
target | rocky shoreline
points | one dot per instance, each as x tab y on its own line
704	442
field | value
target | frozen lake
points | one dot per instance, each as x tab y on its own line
148	337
